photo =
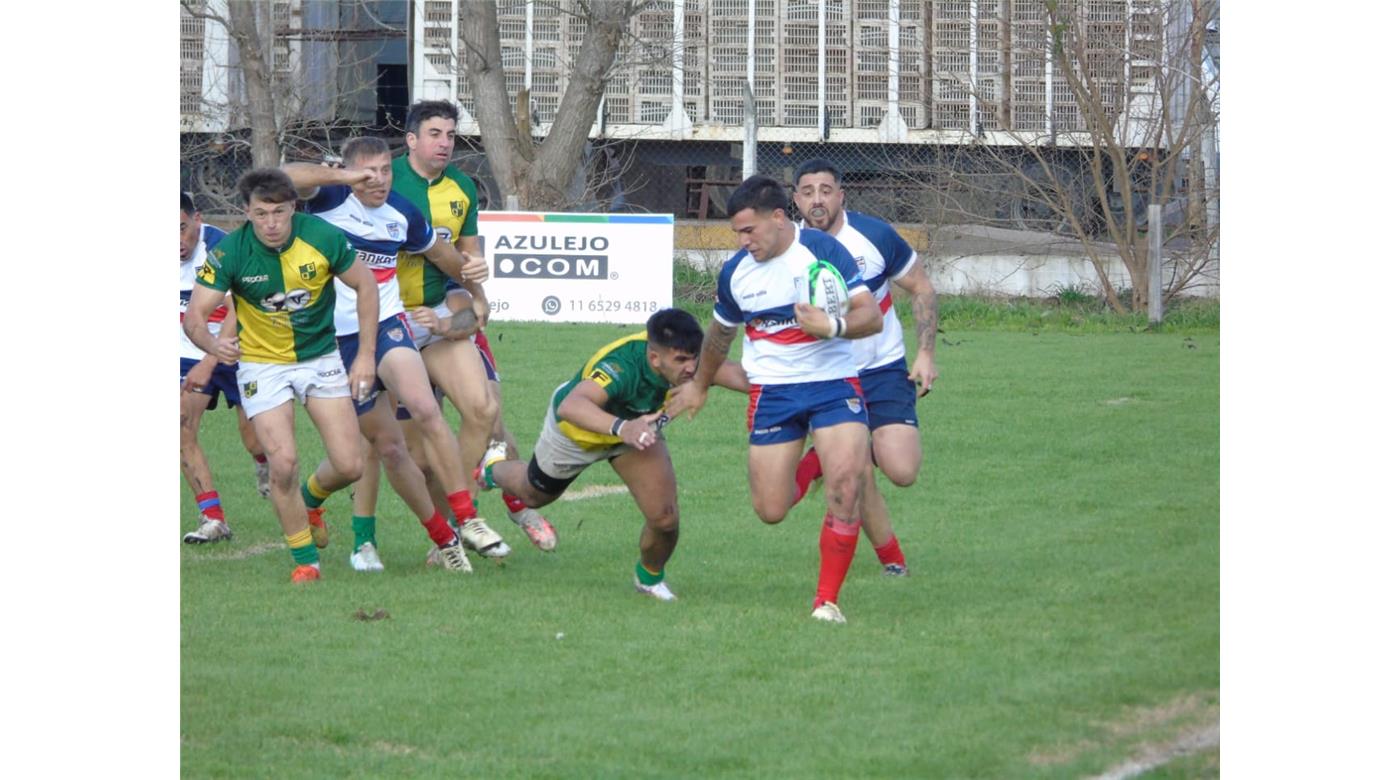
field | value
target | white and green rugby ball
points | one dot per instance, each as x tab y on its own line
826	289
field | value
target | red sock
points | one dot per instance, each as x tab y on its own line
438	530
259	459
890	552
838	547
209	505
808	469
513	503
462	507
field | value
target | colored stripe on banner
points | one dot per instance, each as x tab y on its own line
614	219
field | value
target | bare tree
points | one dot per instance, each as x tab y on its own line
282	116
1127	119
540	173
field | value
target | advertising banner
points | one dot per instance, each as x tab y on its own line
577	267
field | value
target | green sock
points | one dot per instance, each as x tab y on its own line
309	493
364	530
488	477
647	578
306	555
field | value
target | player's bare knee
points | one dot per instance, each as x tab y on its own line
769	512
666	521
901	476
391	450
349	465
282	470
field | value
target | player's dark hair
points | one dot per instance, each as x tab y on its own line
760	193
186	203
429	109
816	165
267	184
362	146
675	329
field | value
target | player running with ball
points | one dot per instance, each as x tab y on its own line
802	369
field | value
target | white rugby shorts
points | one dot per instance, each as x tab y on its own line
264	386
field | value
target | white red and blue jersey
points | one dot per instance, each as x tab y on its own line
883	256
377	235
760	297
208	237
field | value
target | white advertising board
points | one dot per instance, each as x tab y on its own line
577	267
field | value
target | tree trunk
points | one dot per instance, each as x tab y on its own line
505	153
257	82
540	176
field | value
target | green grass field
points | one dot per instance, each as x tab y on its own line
1061	618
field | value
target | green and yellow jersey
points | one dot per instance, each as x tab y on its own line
633	387
283	297
450	204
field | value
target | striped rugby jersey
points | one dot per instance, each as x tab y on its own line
283	297
449	203
377	235
883	256
760	296
208	237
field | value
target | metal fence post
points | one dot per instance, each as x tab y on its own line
1154	263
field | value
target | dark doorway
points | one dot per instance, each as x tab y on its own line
391	92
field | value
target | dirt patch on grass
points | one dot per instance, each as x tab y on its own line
1151	735
241	554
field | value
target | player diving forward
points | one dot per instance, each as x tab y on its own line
611	410
202	379
378	224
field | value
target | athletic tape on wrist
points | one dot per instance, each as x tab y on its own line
617	426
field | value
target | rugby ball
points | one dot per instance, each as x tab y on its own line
826	289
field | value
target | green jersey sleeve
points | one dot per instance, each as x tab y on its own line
214	274
614	376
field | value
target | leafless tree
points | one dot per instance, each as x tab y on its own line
273	103
1127	130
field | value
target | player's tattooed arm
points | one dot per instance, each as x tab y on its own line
925	305
689	398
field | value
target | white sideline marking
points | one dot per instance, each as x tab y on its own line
244	554
1192	742
594	491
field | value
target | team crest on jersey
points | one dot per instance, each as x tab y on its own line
600	376
853	404
308	271
459	208
250	389
395	334
205	273
394	230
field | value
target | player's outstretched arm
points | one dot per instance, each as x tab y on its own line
583	406
925	304
308	177
690	397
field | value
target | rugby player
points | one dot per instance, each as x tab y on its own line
378	224
202	379
467	376
801	367
279	266
611	409
886	380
